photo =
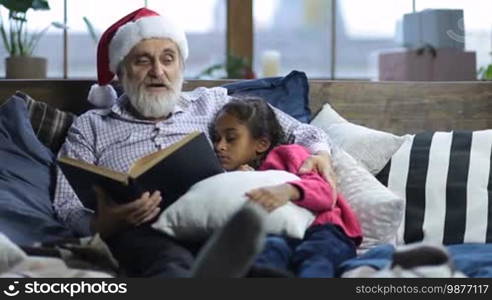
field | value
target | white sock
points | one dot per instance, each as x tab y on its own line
231	251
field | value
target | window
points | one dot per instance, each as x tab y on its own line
299	30
50	45
364	28
204	25
82	48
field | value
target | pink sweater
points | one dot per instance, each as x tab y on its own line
316	193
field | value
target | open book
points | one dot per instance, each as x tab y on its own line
172	171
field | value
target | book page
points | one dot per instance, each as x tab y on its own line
118	176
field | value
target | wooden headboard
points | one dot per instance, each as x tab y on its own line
399	107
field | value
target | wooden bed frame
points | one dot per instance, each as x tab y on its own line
398	107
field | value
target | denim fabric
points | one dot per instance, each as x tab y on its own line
473	259
316	256
26	180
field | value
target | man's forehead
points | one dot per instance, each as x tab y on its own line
154	45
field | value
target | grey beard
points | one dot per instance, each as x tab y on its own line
151	105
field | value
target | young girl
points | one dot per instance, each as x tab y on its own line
246	136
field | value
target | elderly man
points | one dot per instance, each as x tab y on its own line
147	52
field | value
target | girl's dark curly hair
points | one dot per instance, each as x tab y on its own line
258	117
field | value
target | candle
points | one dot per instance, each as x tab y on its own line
271	63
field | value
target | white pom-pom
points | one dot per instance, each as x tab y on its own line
102	96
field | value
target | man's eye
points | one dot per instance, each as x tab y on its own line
230	139
168	59
143	61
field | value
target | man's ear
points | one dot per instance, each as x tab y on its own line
262	145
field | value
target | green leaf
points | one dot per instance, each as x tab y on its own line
40	5
488	73
25	5
4	35
59	25
16	38
19	18
485	73
91	29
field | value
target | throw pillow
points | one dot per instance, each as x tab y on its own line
26	180
50	124
379	210
210	203
373	148
10	254
290	94
327	116
446	181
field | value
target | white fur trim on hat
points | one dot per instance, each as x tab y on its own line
102	96
132	33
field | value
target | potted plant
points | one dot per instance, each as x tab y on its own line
485	73
235	67
19	42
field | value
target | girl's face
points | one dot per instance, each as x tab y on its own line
234	144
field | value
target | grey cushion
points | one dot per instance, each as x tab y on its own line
49	124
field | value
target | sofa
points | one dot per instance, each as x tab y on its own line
381	117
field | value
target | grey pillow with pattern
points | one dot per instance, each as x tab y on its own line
379	210
49	124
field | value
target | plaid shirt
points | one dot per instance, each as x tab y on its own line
114	138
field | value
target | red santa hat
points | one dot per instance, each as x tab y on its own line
117	41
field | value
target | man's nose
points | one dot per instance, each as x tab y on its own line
157	69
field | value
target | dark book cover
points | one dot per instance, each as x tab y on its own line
173	174
82	182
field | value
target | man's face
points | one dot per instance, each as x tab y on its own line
152	77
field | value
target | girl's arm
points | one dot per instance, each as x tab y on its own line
315	193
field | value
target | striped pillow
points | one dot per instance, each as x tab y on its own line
49	124
446	180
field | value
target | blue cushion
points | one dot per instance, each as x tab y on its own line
26	180
290	94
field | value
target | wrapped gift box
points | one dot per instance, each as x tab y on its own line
412	65
439	28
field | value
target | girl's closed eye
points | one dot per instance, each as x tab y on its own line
230	139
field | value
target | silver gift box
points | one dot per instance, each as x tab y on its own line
439	28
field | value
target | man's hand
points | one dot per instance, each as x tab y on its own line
272	197
321	163
112	217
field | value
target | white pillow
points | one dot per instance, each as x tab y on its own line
379	210
326	117
10	254
373	148
210	203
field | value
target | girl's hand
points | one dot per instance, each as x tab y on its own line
245	167
272	197
321	163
